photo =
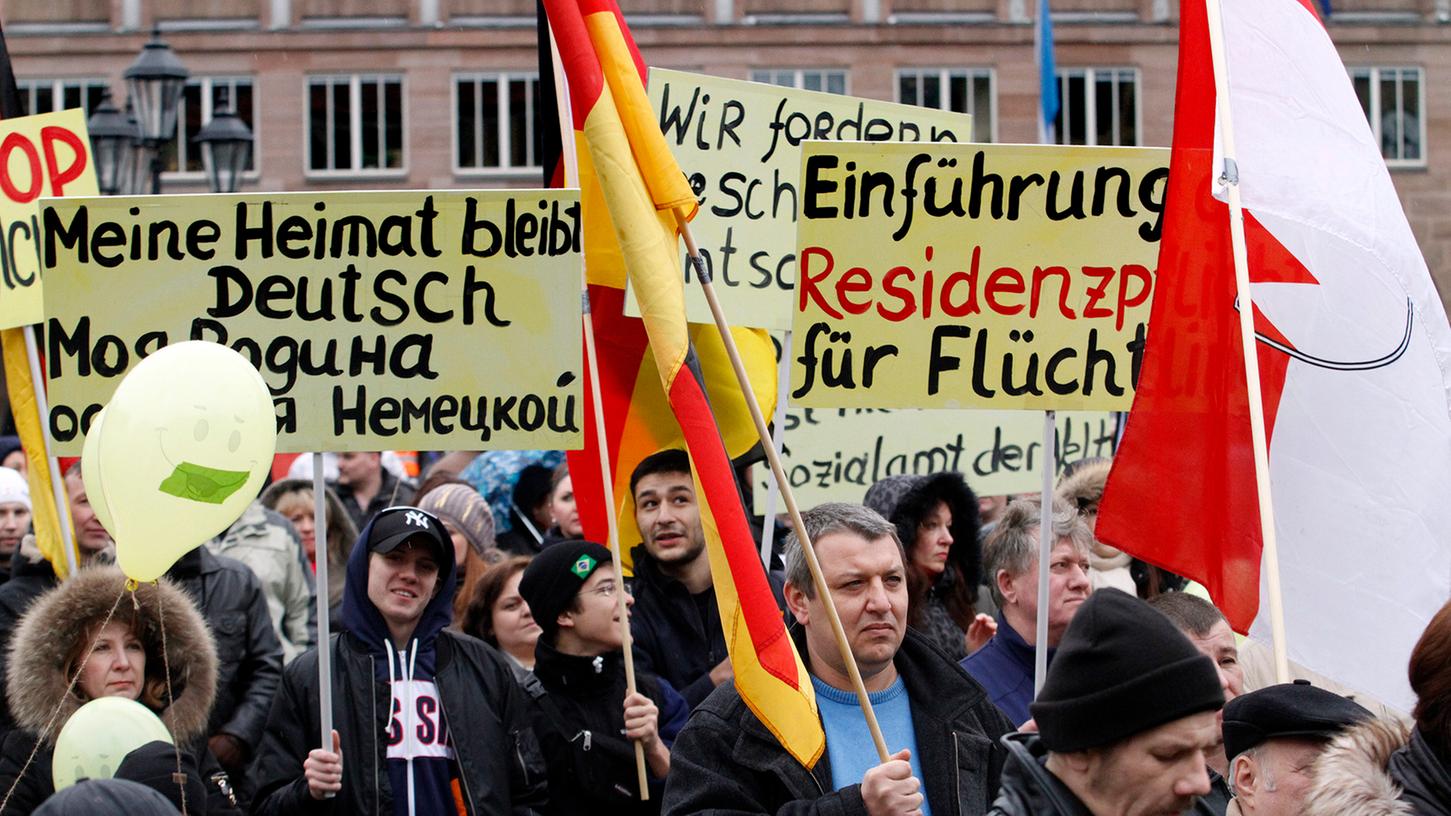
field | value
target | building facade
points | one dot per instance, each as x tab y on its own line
378	94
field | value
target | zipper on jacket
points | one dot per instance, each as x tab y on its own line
373	690
956	775
458	756
588	739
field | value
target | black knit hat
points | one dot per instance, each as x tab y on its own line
1295	709
554	577
1122	668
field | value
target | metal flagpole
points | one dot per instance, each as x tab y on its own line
1045	549
324	635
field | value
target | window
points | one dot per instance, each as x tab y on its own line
201	97
962	90
355	124
493	125
1097	106
50	95
1393	100
831	80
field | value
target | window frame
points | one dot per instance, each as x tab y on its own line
206	83
58	87
798	77
355	82
944	76
503	78
1090	75
1377	111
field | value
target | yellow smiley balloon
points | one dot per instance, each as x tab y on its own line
91	474
179	452
99	735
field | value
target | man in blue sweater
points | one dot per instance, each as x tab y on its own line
937	722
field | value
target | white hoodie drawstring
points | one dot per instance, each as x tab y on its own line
407	662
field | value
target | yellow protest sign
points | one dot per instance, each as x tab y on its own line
379	320
45	155
740	144
836	454
974	276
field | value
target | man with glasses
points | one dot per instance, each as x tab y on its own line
582	713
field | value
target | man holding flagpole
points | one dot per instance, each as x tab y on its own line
937	719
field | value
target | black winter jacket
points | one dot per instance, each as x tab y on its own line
1030	789
35	785
678	636
726	760
249	657
476	690
577	707
30	577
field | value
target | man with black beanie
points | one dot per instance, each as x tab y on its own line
580	709
1124	720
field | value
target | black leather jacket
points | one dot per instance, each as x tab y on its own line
1029	789
726	761
249	657
498	757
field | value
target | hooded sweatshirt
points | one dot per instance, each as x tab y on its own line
421	764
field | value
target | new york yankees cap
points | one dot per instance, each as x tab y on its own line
401	524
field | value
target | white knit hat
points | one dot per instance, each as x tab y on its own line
13	488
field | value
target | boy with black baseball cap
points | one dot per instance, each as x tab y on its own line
584	718
456	736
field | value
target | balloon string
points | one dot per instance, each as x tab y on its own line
70	689
180	778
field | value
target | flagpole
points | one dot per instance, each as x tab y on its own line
772	456
1045	549
57	486
321	599
571	175
778	436
1248	345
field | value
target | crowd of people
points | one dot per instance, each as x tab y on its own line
478	662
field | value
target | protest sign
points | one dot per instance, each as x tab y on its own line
974	276
380	320
836	454
740	144
46	155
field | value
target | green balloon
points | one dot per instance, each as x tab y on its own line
99	735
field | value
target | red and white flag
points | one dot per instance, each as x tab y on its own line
1354	352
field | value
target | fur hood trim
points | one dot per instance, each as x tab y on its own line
905	500
1351	776
1084	489
1085	486
60	618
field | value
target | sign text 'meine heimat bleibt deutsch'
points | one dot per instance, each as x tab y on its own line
436	320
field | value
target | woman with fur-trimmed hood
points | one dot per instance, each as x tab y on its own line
936	520
1382	768
125	660
1083	489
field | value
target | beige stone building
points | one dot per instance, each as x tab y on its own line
440	93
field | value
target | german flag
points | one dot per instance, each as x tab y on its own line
644	192
29	424
638	418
